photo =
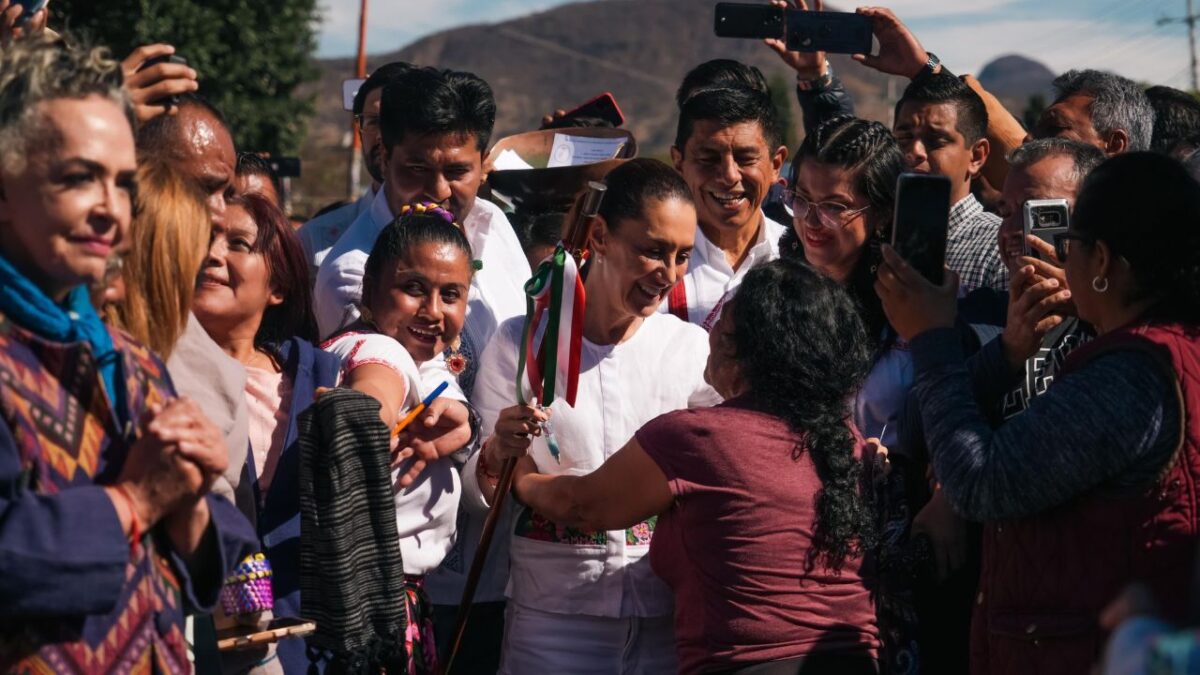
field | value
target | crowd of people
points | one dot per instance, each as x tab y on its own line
787	450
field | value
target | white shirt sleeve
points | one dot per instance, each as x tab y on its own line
494	391
338	290
360	349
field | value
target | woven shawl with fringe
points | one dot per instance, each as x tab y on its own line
351	576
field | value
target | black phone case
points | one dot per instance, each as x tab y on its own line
920	225
742	20
832	32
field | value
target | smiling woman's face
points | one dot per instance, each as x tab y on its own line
62	215
421	299
234	286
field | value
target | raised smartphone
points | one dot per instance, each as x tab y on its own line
921	222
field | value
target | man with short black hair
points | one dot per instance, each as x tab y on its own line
318	235
1101	109
941	126
435	129
1176	121
729	148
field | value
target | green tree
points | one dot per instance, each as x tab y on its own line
782	93
251	57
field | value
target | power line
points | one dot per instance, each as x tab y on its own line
1190	20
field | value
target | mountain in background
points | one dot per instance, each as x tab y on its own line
637	49
1014	79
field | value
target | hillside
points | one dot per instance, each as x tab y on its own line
1014	78
637	49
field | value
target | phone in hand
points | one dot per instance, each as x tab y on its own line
921	223
803	31
1044	219
31	7
603	107
165	58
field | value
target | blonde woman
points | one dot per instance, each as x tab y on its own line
167	245
168	242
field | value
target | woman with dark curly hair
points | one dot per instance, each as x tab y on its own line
761	520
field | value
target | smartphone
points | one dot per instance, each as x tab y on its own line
743	20
349	91
921	222
165	58
246	637
31	7
1045	218
833	32
603	106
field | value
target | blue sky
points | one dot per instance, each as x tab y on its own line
1117	35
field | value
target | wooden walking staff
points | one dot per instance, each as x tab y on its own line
556	290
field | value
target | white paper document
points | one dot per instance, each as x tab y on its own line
578	150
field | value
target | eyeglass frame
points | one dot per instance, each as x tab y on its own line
1061	240
844	216
361	117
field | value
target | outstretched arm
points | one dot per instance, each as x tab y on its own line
627	489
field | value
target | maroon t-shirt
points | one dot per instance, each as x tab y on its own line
733	547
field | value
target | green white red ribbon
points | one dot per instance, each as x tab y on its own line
554	303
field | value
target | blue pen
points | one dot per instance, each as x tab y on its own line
412	415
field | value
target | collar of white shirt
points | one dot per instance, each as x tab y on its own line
477	224
765	247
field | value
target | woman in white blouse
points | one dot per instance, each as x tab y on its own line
414	304
586	602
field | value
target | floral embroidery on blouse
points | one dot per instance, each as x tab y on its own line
535	526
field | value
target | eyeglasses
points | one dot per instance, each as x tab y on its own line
1062	243
367	121
831	216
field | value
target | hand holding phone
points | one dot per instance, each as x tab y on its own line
900	53
808	65
155	78
21	17
603	107
1045	219
801	31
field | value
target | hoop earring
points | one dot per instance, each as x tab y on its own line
1096	285
456	363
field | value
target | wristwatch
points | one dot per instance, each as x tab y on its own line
930	67
819	83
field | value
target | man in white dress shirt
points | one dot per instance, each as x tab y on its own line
729	148
318	235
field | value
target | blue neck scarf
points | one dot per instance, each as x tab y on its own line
73	321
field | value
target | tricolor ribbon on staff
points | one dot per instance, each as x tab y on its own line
554	301
555	297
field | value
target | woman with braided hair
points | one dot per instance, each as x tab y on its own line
841	195
414	304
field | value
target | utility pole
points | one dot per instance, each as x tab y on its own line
1190	20
355	174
